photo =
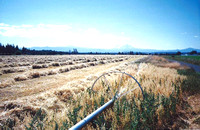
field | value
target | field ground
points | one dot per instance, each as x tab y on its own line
52	92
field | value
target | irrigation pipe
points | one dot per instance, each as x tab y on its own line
90	117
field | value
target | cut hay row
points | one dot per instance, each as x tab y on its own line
7	66
37	74
16	61
45	71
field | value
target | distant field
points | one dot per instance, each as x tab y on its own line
53	92
189	59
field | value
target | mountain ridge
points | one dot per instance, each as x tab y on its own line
125	48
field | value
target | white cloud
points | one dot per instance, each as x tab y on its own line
62	35
196	36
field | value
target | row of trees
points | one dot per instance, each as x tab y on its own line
15	50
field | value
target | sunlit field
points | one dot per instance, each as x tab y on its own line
54	92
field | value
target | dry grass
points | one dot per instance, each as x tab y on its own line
157	80
37	66
162	62
36	88
6	83
8	70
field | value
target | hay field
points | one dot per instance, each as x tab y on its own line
28	83
53	92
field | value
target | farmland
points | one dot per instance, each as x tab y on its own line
189	59
51	92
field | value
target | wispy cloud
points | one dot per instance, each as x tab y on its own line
196	36
62	35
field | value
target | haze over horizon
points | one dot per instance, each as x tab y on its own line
158	24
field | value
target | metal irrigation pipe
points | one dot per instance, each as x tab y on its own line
120	81
90	117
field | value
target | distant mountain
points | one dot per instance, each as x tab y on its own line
189	50
125	48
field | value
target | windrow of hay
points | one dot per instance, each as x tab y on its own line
56	62
38	66
13	70
16	61
37	74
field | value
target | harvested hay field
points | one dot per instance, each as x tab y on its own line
42	87
58	95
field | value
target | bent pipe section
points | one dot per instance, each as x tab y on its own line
122	73
90	117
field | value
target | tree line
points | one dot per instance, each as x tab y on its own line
10	49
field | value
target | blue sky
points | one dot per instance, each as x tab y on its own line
149	24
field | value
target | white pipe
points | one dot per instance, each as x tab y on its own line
87	119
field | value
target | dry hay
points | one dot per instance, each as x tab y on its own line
53	100
64	95
52	72
63	70
6	83
162	62
34	75
15	114
20	78
55	64
39	66
8	70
